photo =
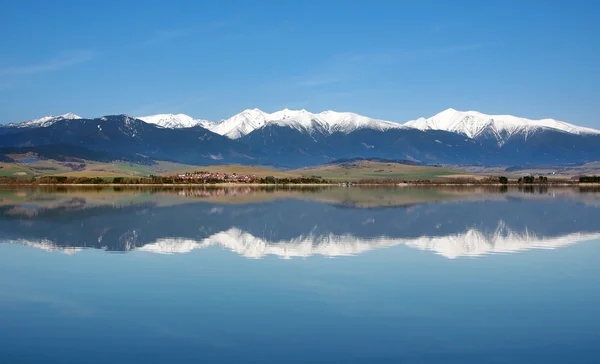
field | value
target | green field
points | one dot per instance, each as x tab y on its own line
49	167
14	170
350	171
368	170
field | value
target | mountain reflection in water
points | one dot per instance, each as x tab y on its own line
299	222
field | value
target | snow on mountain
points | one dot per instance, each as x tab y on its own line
45	121
471	243
475	124
241	124
472	124
175	121
327	122
347	122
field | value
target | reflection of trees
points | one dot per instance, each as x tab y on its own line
217	192
236	191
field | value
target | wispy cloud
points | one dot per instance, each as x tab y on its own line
62	61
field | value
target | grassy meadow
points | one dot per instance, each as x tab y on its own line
347	171
369	170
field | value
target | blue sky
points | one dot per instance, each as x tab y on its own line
395	60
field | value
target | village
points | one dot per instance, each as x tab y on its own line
210	177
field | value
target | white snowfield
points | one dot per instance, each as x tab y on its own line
471	243
472	124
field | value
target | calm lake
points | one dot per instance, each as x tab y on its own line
299	275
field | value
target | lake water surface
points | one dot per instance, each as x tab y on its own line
289	275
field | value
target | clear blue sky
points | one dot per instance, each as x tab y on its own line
395	60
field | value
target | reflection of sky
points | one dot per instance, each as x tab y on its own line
383	306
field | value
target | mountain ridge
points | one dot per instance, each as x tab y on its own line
473	124
297	138
44	121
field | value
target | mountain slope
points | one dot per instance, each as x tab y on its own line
291	147
124	136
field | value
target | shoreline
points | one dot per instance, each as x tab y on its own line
341	184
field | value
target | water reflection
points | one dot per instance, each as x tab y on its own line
299	222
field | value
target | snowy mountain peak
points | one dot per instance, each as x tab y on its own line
241	124
174	121
46	120
253	114
302	120
70	116
475	124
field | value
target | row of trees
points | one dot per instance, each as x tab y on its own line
590	179
533	179
159	180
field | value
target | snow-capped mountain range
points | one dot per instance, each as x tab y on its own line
500	127
249	120
299	138
472	124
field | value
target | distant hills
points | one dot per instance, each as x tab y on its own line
295	138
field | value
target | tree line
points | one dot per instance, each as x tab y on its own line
589	179
533	179
152	180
